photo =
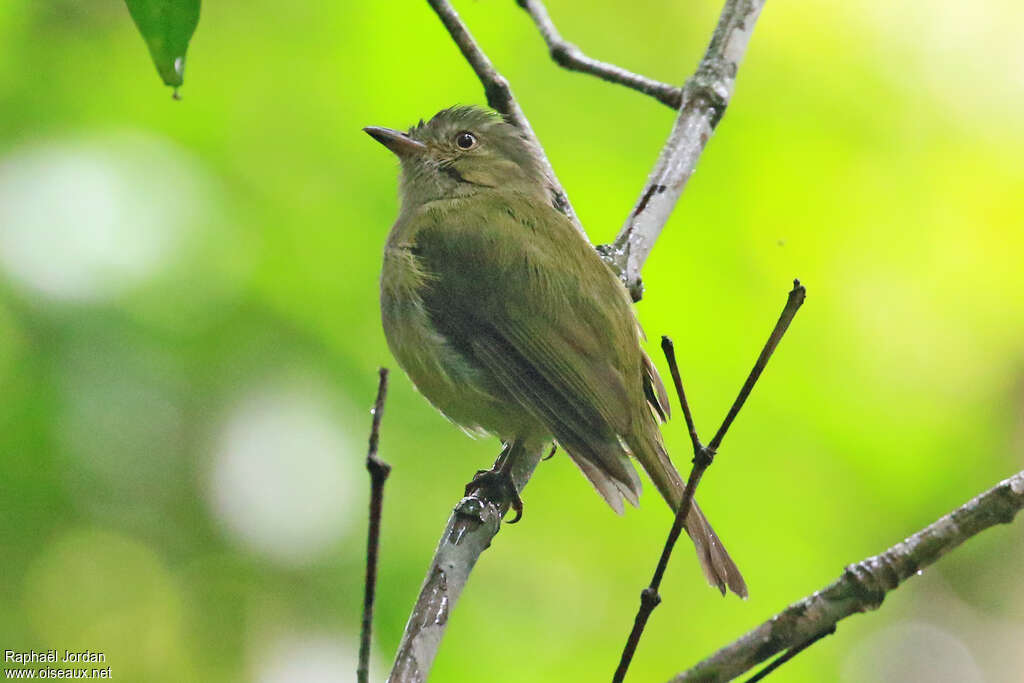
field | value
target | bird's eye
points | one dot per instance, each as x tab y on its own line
465	140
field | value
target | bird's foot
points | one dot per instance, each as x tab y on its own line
499	483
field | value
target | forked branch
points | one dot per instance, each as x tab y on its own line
705	97
571	57
862	586
703	456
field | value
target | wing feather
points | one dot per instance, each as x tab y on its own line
521	299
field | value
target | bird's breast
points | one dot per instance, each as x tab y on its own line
417	345
448	379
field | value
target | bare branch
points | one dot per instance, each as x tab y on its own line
705	97
862	586
379	471
500	98
571	57
703	456
474	522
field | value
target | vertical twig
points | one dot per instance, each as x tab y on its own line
379	471
703	456
669	349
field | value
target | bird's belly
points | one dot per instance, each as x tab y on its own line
463	391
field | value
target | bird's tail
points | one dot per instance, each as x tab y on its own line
719	568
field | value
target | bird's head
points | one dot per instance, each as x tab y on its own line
461	151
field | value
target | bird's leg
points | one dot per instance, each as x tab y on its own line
498	480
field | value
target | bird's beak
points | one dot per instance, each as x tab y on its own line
397	141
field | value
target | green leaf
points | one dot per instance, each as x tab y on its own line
167	26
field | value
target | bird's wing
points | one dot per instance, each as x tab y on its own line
519	292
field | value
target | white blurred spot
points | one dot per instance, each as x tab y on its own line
911	651
88	220
308	659
283	475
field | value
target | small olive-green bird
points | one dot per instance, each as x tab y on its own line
509	322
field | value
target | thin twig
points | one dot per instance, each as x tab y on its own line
705	97
379	471
862	586
669	349
703	456
788	655
793	304
650	598
500	98
571	57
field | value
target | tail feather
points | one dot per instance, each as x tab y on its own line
718	566
614	489
610	490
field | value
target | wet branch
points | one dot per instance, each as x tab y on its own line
705	96
862	586
703	456
571	57
379	471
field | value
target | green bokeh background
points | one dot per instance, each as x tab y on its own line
185	382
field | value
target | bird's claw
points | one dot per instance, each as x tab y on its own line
500	483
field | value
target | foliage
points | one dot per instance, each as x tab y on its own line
166	26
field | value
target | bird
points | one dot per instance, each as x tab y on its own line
509	322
